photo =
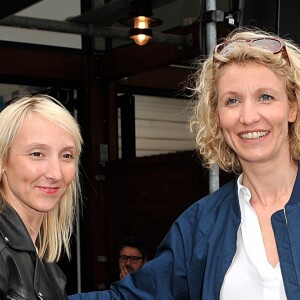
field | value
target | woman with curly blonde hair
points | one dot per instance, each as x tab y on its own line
210	140
242	241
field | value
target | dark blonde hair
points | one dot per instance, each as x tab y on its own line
57	226
204	122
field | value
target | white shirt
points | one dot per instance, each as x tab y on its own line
251	276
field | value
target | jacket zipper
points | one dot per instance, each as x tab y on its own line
40	295
284	212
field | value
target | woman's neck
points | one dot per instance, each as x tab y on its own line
270	185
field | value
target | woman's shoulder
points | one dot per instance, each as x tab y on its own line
223	196
205	211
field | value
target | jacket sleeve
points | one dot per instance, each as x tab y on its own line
90	296
164	277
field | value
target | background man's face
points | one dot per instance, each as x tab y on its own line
131	265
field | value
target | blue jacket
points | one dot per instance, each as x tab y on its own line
193	258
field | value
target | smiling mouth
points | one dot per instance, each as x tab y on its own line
49	190
254	135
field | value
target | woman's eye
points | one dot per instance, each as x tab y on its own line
266	98
231	102
36	154
68	156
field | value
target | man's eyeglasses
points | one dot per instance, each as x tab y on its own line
132	259
271	44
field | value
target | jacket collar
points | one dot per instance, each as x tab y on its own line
235	202
295	197
13	230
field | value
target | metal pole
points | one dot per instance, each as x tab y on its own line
78	248
211	28
87	29
78	256
211	40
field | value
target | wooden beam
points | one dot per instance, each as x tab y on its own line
131	59
170	78
41	63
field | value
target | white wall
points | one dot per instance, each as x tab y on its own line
161	125
46	9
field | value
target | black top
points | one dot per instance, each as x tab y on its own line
22	274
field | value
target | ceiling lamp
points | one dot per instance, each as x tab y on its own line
141	21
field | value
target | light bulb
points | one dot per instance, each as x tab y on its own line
141	22
141	33
141	39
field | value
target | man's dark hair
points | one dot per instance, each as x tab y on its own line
134	242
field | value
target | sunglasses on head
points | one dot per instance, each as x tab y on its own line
271	44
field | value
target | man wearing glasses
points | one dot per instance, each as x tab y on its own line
132	256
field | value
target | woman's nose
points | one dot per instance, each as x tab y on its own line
249	113
54	171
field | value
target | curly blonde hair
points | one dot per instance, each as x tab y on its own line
204	122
